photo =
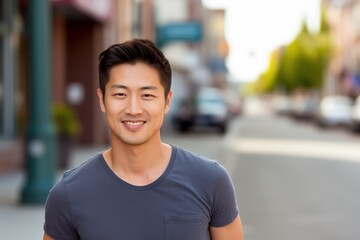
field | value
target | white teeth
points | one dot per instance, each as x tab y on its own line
134	123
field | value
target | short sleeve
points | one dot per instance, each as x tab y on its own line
58	218
224	206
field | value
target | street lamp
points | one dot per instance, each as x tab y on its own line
40	137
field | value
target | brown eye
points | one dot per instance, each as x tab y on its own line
119	95
147	95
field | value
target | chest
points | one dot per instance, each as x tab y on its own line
165	212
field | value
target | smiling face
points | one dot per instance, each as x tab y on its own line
134	104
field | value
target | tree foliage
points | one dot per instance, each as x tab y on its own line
299	65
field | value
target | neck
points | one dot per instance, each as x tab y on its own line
138	164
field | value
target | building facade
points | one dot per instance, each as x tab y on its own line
80	30
10	97
343	76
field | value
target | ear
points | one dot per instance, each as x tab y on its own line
168	101
101	100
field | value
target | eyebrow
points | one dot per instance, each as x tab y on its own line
116	86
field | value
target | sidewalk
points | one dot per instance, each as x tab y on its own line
23	222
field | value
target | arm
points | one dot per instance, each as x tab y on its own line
232	231
47	237
58	217
225	221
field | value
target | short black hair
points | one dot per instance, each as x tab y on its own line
132	52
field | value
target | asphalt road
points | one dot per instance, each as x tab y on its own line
293	180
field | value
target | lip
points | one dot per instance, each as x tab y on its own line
133	124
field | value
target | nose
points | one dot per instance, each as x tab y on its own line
133	106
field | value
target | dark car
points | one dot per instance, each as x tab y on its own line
207	109
355	116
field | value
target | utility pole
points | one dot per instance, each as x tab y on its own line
40	136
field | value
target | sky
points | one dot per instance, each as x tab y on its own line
256	27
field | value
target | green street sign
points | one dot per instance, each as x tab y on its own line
183	32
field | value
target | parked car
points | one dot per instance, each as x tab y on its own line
184	114
282	104
355	116
334	111
207	109
305	106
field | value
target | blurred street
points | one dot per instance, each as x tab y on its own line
293	180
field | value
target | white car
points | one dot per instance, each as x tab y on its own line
334	111
355	116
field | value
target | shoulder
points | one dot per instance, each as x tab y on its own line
192	159
194	164
76	176
86	169
210	179
72	180
60	219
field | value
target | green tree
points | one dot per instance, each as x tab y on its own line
299	65
306	60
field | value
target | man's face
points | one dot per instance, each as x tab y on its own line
134	103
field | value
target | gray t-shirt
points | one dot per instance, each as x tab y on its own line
91	203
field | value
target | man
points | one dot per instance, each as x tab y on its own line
141	188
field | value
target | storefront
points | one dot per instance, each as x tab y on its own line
78	35
9	35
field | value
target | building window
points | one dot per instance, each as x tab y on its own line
2	81
7	79
136	18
